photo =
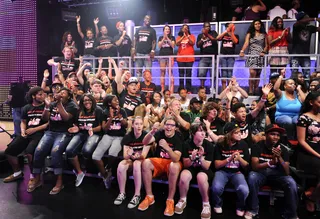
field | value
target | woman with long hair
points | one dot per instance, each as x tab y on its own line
230	159
278	39
257	41
185	41
299	79
86	129
67	41
166	44
114	126
154	110
134	152
308	132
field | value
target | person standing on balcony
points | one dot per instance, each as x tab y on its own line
144	44
185	41
278	38
277	11
253	11
293	11
257	41
123	43
166	45
301	37
229	42
208	44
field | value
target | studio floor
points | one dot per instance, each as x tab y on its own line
92	201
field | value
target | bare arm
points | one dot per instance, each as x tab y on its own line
246	43
276	87
79	27
301	134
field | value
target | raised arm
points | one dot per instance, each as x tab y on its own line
265	90
44	81
96	21
79	27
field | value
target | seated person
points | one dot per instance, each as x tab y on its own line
32	130
197	158
270	163
134	152
194	108
185	102
231	158
147	87
166	161
235	90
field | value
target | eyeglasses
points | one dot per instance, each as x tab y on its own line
87	100
170	125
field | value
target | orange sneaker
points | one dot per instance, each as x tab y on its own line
169	211
144	205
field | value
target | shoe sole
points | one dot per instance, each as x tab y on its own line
168	215
147	206
34	188
13	180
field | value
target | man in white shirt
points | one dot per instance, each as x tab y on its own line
277	12
293	11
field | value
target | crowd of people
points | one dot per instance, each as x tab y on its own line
207	141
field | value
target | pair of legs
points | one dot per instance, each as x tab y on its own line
89	145
226	71
205	64
16	115
142	62
113	143
122	170
254	81
274	178
220	180
53	143
185	70
164	63
16	147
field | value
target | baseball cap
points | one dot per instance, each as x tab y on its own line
274	75
230	126
274	128
300	15
133	80
195	100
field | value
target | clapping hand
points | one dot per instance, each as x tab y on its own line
266	89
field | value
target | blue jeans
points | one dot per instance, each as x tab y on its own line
220	180
303	62
205	64
226	63
16	115
284	119
276	178
89	145
140	62
53	143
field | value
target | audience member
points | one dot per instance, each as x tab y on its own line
253	11
277	11
147	87
67	41
292	13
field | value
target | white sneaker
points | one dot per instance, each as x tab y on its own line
249	215
134	201
79	179
206	212
120	199
218	210
240	213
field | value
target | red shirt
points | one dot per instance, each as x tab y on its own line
275	34
186	49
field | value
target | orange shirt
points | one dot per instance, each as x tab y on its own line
185	49
275	34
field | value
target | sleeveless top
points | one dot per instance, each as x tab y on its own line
288	107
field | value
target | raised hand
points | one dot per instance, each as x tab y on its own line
47	101
266	89
229	95
46	73
81	59
96	20
78	18
207	123
155	127
283	72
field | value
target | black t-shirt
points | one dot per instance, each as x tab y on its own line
209	47
261	151
69	44
189	146
301	37
245	128
147	90
89	46
174	142
216	126
56	123
18	92
116	128
125	46
89	120
106	40
166	49
223	152
184	134
67	66
129	102
33	116
136	144
145	36
227	45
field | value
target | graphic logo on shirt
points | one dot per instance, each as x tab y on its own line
88	44
244	131
207	43
34	122
304	35
165	154
55	115
85	126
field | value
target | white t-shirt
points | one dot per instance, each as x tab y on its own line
276	11
185	105
292	13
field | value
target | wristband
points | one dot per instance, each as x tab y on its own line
47	109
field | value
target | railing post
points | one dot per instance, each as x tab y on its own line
217	77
